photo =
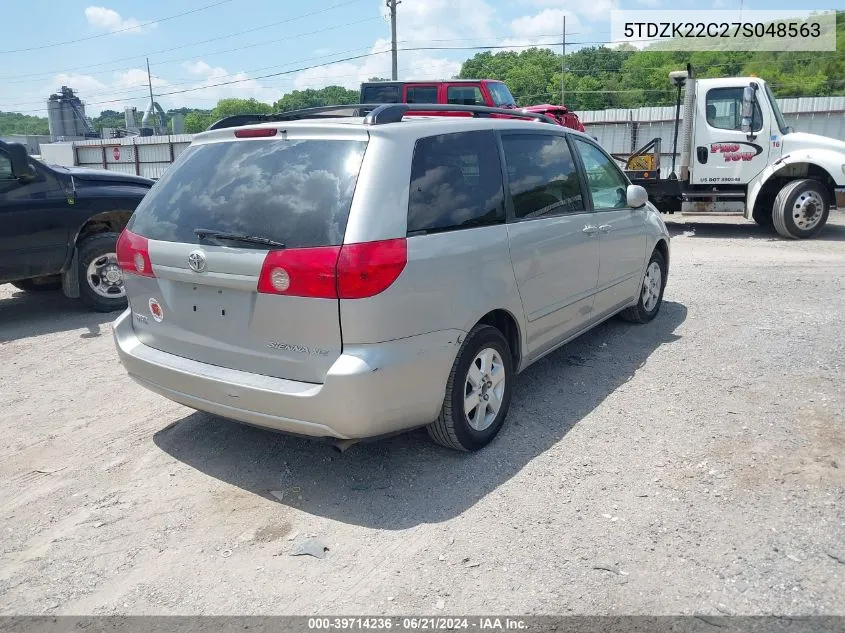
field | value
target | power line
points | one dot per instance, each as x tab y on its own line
128	28
182	46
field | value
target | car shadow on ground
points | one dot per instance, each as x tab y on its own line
25	314
751	230
406	480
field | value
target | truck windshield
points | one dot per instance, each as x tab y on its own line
502	97
784	128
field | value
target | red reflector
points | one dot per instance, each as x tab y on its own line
366	269
133	254
256	132
300	272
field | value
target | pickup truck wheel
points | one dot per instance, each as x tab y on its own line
801	209
651	292
478	392
100	278
39	284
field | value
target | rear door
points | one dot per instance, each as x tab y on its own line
622	240
270	310
553	241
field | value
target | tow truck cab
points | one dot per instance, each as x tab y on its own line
737	154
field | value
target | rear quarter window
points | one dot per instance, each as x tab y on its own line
456	182
297	192
381	94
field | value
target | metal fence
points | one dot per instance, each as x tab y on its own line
623	130
148	156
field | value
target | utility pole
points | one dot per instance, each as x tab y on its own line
391	4
563	65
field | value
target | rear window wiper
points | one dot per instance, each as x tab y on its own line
237	237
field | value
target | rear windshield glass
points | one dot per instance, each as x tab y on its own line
297	192
381	94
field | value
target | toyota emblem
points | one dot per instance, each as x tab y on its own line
196	260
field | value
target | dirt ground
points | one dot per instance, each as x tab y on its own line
692	465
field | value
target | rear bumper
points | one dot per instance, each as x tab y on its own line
369	391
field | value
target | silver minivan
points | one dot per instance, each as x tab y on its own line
354	277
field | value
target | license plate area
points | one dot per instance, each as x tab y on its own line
213	311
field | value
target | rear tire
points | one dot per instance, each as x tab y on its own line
478	392
801	209
97	261
651	291
39	284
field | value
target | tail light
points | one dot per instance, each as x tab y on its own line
133	254
366	269
352	271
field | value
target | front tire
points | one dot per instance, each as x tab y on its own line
478	392
801	209
651	291
100	279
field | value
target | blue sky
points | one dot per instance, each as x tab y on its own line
211	46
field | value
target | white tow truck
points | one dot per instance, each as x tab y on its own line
737	155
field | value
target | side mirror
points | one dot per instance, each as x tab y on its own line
749	96
21	168
636	196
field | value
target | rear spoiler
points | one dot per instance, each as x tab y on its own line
373	113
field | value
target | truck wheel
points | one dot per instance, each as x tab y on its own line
651	292
478	392
39	284
801	209
100	279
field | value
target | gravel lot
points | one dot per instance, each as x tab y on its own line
692	465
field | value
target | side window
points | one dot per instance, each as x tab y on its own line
607	184
542	176
464	95
381	94
456	182
5	167
724	110
421	94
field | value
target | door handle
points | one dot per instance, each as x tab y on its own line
590	229
606	228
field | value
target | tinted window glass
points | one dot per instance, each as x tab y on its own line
456	182
5	167
542	176
421	94
501	95
381	94
724	109
297	192
606	183
464	95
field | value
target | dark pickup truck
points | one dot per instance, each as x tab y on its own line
59	227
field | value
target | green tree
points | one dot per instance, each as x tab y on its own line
17	123
310	98
196	122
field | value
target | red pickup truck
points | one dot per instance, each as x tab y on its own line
478	92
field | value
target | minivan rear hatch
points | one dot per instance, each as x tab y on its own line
229	260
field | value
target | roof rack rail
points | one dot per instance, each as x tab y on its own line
373	113
330	111
393	112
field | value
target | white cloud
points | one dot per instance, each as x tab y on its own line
421	23
111	21
590	10
540	29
